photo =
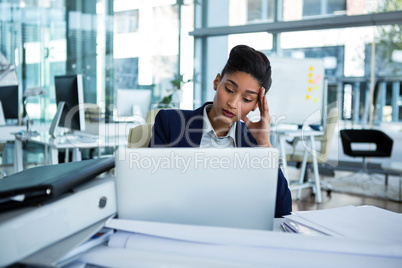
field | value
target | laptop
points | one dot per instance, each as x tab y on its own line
232	187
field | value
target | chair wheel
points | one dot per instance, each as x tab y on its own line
329	191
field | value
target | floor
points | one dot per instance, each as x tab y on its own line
308	202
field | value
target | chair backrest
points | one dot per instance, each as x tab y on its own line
325	139
383	142
140	136
151	115
332	121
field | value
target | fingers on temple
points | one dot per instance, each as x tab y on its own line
264	107
263	102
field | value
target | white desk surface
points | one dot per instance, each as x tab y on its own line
74	141
297	133
103	135
7	131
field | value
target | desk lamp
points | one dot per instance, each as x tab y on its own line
32	92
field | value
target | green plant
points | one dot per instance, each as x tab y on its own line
177	84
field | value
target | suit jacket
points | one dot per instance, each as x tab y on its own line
183	128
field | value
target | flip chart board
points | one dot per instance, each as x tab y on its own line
297	94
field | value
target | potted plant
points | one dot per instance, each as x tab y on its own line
175	95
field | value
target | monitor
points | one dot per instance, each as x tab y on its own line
69	89
9	101
133	102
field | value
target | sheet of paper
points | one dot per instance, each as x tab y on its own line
191	235
363	223
118	257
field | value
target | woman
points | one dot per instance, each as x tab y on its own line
239	89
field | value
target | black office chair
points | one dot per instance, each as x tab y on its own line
382	141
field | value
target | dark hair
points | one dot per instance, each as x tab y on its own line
246	59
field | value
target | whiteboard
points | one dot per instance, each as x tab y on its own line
297	94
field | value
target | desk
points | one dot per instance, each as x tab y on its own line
397	167
7	131
7	134
110	135
305	135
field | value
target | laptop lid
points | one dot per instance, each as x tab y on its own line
233	187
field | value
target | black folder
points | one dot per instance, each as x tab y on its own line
39	184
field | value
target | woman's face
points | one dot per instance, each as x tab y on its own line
236	95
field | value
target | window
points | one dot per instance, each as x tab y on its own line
323	7
260	10
126	21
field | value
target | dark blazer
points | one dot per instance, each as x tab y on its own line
168	132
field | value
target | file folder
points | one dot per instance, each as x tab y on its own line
39	184
26	231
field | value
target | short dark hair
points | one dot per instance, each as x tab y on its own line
246	59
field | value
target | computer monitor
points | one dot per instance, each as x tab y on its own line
69	89
9	101
133	102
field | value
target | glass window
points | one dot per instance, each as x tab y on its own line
347	57
260	10
351	40
388	51
336	7
311	8
243	12
333	57
251	11
112	43
33	38
323	7
126	21
146	51
259	41
306	9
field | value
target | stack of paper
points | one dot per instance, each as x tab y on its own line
150	244
363	223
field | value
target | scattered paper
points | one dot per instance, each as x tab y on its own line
362	223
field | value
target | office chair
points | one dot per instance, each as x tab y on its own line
382	141
325	139
140	136
151	115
